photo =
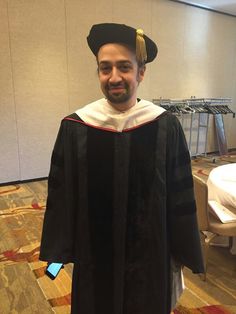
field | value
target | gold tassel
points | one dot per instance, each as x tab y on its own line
141	52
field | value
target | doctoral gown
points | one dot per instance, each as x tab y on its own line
120	207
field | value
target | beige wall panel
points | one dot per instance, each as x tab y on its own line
223	48
196	53
168	20
222	72
9	159
134	13
82	74
37	31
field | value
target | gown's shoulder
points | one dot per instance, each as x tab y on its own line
171	120
72	117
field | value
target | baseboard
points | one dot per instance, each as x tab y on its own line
23	181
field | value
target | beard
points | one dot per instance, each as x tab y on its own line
117	97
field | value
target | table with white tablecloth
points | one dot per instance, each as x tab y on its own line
222	188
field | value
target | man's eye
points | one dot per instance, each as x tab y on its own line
125	67
104	69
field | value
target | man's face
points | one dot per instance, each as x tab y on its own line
118	73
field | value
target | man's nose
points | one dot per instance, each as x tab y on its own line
115	76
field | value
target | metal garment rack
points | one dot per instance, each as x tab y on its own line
194	116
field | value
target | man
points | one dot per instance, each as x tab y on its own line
120	192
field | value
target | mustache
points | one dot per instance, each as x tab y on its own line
114	85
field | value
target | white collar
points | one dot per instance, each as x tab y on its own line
101	114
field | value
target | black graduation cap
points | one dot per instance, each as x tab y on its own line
105	33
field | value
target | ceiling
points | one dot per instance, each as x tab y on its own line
223	6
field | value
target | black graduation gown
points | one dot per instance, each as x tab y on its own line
119	205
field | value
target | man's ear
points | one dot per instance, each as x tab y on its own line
141	73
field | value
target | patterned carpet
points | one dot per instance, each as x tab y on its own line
212	309
25	289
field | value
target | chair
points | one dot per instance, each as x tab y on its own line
207	222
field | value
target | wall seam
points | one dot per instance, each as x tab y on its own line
234	65
67	59
13	89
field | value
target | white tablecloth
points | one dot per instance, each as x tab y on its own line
222	188
222	185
